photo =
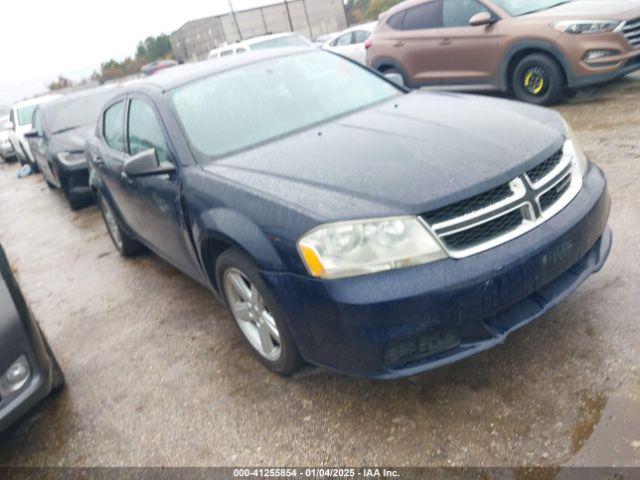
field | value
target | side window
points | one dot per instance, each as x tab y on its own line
241	50
226	53
37	124
113	126
361	36
457	13
145	131
420	17
342	40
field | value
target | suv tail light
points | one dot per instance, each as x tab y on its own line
368	43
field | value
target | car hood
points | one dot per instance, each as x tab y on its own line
71	140
601	9
409	155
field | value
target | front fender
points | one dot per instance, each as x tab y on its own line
233	228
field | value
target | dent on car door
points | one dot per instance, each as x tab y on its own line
157	201
467	54
415	42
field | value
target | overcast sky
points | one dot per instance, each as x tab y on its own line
41	39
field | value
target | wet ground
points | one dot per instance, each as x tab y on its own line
157	374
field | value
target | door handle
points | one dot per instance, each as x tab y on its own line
98	161
446	41
398	44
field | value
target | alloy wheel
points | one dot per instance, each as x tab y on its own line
535	81
252	315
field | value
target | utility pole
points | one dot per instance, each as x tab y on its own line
286	6
235	19
306	14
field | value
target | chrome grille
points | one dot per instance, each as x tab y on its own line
631	30
508	211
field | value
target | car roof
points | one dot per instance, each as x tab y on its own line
182	74
37	100
254	40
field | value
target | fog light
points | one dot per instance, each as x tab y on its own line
598	54
15	377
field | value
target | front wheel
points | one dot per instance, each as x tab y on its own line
256	313
538	79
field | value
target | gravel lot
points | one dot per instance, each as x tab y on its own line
157	374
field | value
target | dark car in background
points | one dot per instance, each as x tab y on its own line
29	371
343	220
60	130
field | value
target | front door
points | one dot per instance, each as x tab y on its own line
467	55
157	198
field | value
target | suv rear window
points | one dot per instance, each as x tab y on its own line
420	17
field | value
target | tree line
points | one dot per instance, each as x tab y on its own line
149	50
359	11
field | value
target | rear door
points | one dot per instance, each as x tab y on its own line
467	55
415	41
38	147
109	162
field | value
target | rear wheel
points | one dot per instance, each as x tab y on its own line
127	246
256	313
538	79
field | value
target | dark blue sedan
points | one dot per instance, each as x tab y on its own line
344	221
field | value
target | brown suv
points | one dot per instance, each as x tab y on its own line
537	48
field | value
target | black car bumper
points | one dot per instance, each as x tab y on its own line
20	336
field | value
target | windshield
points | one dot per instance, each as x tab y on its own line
516	8
240	108
288	41
25	115
75	112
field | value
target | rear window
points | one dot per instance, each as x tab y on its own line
75	112
256	103
420	17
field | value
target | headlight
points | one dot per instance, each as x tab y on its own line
349	249
586	26
72	158
572	148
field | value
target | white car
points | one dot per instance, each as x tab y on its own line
6	149
279	40
351	42
20	118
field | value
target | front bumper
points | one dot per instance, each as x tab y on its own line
74	178
408	321
583	73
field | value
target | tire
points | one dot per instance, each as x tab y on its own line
395	71
57	377
127	246
284	358
538	79
77	202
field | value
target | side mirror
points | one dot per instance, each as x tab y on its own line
145	164
480	19
31	134
395	78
